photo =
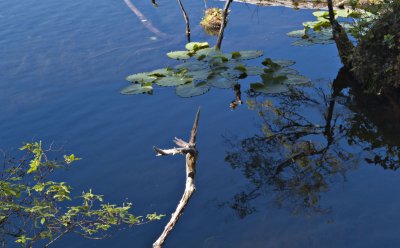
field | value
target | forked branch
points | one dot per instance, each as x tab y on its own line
190	150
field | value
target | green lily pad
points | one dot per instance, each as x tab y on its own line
134	89
297	33
173	80
284	71
284	63
269	88
248	54
196	45
254	70
179	55
162	72
223	81
141	78
296	79
200	75
192	66
191	89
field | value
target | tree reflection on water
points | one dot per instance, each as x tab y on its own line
309	139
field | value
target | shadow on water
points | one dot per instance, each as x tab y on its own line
309	139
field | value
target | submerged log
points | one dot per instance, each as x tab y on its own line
189	149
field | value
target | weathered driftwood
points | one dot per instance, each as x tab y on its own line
189	149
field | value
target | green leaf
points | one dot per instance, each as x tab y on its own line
190	89
223	81
42	220
200	75
196	45
248	54
163	72
271	88
174	80
192	66
297	33
141	78
296	79
284	63
134	89
254	70
236	55
179	55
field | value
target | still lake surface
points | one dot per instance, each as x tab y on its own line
63	64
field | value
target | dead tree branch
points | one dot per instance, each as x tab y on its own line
186	20
190	150
223	24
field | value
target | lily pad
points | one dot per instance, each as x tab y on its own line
297	33
254	70
179	55
134	89
269	88
191	89
284	63
196	45
296	79
141	78
248	54
192	66
223	81
173	80
200	75
284	71
162	72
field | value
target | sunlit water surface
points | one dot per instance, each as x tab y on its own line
62	65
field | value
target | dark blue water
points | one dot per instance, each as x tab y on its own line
62	64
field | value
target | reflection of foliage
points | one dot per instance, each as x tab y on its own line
206	67
294	157
303	148
36	210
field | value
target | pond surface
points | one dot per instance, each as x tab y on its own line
327	179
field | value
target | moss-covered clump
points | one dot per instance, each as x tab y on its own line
212	21
376	59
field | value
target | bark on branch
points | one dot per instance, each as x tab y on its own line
225	13
190	150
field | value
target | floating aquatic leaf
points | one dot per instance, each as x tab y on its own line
285	71
223	81
296	79
254	70
180	55
321	14
200	75
192	66
191	89
284	63
174	80
141	78
248	54
134	89
271	88
297	33
196	45
162	72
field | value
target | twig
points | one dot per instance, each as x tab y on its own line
223	24
191	157
186	20
142	18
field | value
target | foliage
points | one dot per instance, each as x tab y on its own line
204	67
376	59
211	21
320	32
37	210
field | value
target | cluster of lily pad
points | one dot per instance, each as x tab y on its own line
205	67
319	31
